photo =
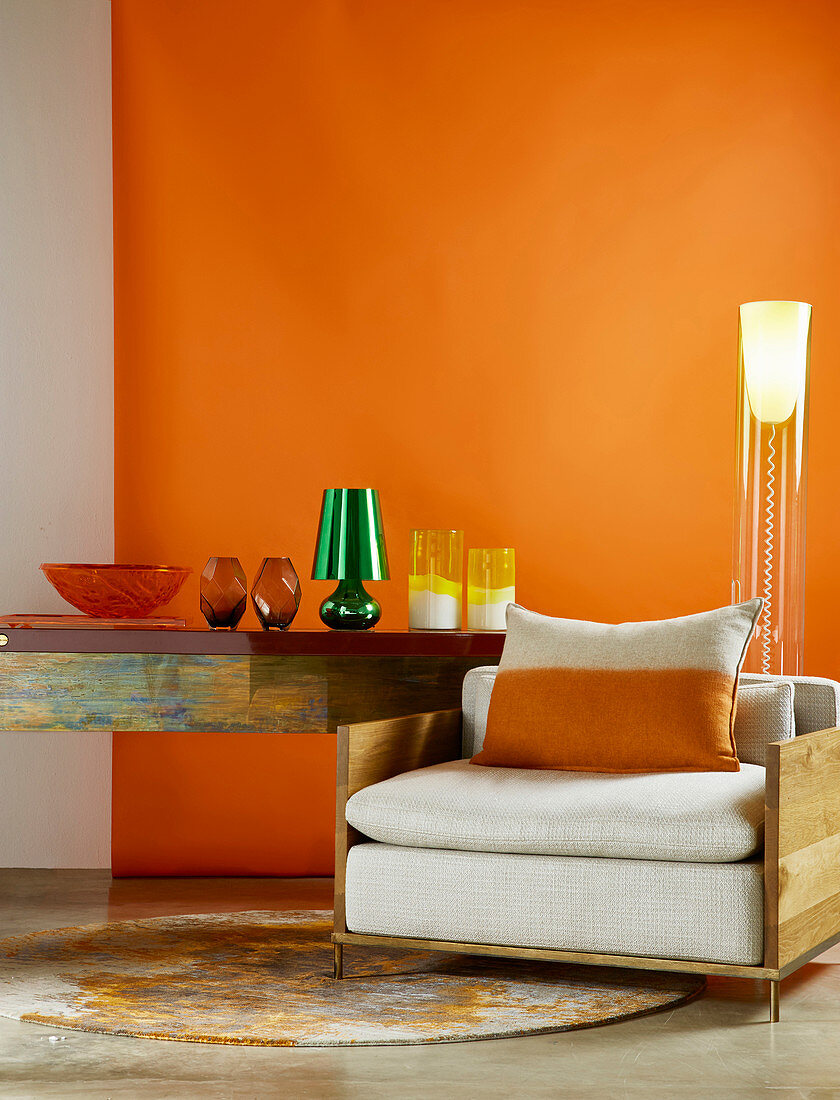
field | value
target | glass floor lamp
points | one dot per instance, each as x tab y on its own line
771	472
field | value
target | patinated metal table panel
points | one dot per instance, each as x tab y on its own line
248	682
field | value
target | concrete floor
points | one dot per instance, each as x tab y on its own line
718	1047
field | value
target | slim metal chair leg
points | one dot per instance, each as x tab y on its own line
774	1002
338	961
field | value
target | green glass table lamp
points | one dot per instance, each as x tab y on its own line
350	549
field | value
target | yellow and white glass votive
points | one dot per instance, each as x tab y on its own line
435	581
491	586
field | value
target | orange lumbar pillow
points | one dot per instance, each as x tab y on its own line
636	697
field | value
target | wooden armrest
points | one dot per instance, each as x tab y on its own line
369	752
802	848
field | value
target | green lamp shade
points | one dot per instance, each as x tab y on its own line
350	549
351	537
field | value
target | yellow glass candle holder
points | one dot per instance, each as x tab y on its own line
491	586
435	582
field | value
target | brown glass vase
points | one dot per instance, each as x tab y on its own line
224	593
276	593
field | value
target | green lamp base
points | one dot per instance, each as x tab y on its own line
350	607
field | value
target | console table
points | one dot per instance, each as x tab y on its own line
185	680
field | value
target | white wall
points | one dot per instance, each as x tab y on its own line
56	387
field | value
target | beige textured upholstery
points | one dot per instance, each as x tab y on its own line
708	911
475	700
765	713
705	817
816	701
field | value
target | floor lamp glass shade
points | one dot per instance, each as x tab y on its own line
350	549
771	474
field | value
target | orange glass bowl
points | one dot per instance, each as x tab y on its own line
116	591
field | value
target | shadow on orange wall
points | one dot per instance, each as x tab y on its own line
214	804
483	256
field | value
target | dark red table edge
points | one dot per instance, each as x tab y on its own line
292	643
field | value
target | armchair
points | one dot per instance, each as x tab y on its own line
706	899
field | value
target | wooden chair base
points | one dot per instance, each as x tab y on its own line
338	961
633	962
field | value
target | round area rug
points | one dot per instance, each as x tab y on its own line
266	979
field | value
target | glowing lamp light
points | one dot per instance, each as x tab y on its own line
775	347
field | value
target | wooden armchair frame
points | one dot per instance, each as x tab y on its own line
801	851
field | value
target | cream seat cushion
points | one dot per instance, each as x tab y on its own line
688	817
708	911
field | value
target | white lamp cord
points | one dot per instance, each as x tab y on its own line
768	555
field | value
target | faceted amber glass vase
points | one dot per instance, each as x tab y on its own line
224	593
276	593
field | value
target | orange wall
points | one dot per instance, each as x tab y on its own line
485	256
